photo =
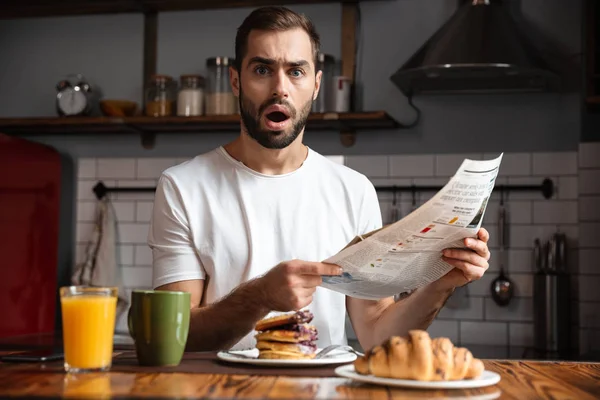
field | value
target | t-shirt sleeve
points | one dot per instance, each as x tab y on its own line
370	213
174	255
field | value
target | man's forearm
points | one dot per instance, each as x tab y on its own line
416	311
222	324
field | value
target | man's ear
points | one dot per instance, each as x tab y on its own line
234	78
317	84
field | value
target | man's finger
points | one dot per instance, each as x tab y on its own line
467	256
470	271
311	281
478	246
483	234
319	268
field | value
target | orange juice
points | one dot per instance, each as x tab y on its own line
88	327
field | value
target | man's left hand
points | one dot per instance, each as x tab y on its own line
470	264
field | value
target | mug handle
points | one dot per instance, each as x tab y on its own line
130	323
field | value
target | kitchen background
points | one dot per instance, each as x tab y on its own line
542	135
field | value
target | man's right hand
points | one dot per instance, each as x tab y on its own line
290	285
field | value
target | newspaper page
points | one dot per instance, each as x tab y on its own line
407	254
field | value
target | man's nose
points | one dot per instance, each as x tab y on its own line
280	84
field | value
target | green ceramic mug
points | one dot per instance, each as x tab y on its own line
159	323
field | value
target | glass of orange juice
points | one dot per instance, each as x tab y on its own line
88	318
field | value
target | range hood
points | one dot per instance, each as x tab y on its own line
479	50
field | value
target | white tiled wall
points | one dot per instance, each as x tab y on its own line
481	322
589	252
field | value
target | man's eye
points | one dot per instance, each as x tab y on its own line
261	70
297	73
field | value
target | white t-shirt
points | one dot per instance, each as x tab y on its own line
218	220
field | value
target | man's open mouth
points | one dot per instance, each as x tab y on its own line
277	116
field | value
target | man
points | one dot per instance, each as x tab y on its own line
244	227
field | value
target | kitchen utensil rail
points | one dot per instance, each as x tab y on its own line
546	188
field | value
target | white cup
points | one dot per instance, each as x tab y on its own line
340	94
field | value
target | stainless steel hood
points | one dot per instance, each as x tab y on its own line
479	50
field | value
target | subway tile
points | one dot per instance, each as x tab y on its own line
529	194
86	168
474	310
411	165
116	168
86	211
124	210
489	333
442	328
137	276
589	261
371	166
589	315
143	255
144	211
589	155
555	212
589	181
518	212
133	233
520	261
523	283
488	352
589	234
152	168
520	334
84	231
567	187
513	164
556	163
589	208
519	309
389	195
481	287
448	164
84	190
523	236
126	254
588	288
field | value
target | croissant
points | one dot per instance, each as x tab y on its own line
419	357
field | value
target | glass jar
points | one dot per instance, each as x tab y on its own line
220	99
325	63
190	100
160	96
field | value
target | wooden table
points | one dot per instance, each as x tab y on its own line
520	380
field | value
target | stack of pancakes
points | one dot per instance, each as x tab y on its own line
287	337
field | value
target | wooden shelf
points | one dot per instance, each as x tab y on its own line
10	9
223	123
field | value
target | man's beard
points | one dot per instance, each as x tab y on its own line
267	138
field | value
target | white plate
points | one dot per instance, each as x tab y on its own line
487	378
335	357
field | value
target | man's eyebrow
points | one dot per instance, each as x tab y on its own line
270	61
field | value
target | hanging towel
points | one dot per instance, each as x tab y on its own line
100	266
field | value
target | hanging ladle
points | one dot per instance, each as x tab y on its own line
502	287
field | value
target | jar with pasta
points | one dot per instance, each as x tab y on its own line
160	96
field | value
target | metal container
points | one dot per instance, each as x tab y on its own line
552	301
325	63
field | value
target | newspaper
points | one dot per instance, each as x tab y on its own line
406	254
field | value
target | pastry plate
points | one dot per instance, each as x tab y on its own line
251	357
487	378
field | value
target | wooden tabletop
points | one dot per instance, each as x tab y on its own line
519	380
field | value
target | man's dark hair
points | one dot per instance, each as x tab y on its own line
273	19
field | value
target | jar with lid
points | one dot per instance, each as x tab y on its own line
160	96
325	63
190	99
220	99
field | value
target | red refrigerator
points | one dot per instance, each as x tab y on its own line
36	227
